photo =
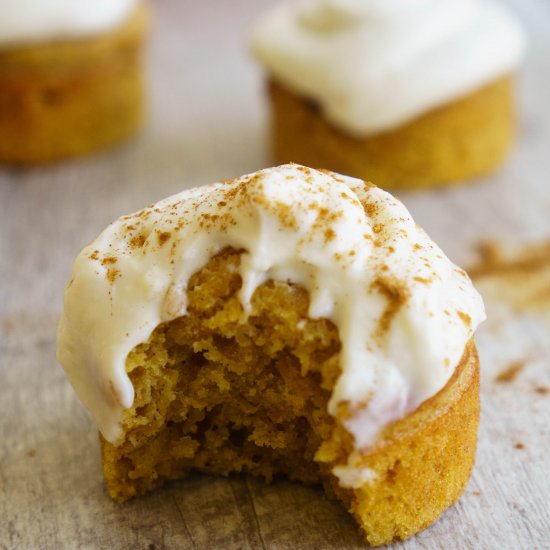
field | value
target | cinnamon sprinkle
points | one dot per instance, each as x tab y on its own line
112	274
511	373
137	241
329	234
397	296
163	236
465	318
109	260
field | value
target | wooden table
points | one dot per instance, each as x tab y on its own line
207	122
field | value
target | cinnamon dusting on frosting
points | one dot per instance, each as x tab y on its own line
466	319
112	274
137	241
109	260
396	294
353	247
163	236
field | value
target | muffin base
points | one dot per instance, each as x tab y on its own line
456	142
422	462
67	98
219	394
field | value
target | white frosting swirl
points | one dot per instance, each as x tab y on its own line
29	21
404	312
373	65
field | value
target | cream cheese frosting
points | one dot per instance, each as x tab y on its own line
28	21
373	65
404	311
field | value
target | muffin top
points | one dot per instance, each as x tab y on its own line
403	310
373	65
30	21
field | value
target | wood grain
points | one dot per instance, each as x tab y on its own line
208	122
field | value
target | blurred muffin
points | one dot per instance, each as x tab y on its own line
292	322
70	76
405	93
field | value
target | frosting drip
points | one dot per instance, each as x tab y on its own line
404	312
373	65
28	21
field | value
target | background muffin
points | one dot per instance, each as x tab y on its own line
70	77
407	94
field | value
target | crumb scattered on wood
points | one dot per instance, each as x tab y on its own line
511	373
519	277
489	254
31	453
8	326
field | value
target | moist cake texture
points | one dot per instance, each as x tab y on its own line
291	322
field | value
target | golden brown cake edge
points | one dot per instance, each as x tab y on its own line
451	144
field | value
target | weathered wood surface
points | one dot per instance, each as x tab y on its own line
208	122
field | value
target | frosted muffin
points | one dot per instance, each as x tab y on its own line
405	93
70	76
290	322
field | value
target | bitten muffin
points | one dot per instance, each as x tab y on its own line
407	94
290	322
71	77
